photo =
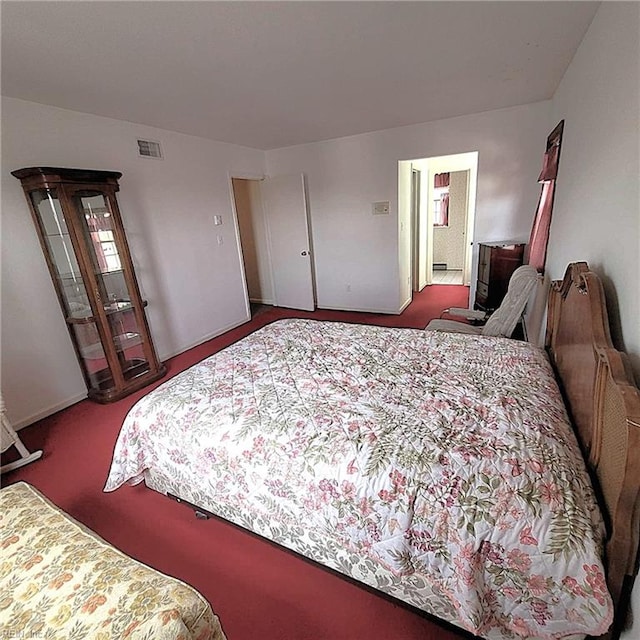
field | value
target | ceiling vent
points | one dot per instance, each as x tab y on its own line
149	149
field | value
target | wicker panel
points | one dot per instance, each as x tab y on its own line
614	439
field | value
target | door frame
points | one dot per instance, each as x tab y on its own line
416	207
467	245
454	162
236	229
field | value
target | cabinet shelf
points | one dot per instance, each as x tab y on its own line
122	342
78	319
119	306
91	268
108	272
86	317
133	371
127	340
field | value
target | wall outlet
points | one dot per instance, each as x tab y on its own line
220	240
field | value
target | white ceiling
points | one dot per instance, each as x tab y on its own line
273	74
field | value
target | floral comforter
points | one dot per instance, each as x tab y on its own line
59	580
439	468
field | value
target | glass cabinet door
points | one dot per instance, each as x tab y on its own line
61	252
71	287
113	290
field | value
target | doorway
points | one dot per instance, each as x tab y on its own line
252	231
450	202
274	241
430	242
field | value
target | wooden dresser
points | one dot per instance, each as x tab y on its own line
496	262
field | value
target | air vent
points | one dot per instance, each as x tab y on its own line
149	149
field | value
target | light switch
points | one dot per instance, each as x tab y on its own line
380	208
217	220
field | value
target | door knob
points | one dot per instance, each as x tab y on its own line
304	253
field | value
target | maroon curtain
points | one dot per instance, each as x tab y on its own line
441	180
537	249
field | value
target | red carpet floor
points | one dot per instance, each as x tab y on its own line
259	590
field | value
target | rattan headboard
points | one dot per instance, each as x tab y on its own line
604	404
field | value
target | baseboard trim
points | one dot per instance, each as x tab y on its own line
44	413
209	336
405	305
393	312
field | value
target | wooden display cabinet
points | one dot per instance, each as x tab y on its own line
81	233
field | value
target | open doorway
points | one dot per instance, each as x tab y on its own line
450	202
274	240
252	229
436	232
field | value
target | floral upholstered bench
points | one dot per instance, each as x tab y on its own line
60	580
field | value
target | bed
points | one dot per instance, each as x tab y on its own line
58	579
441	469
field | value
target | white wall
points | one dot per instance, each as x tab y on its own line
193	285
597	208
346	175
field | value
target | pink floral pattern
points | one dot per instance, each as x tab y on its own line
439	468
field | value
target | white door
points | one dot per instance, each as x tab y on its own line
288	231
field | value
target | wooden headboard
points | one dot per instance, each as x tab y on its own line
604	405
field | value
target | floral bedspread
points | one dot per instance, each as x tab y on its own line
440	468
59	580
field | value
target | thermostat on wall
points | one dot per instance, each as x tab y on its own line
380	208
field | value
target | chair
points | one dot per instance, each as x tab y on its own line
504	319
9	438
